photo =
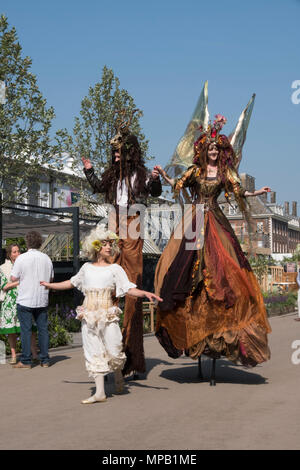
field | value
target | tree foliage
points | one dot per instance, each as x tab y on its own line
295	258
259	265
25	121
19	241
25	124
95	126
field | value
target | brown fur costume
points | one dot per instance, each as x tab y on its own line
131	257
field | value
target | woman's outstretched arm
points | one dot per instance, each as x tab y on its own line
57	285
162	172
134	292
258	192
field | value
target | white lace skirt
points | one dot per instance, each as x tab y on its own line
101	334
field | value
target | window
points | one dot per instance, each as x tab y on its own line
260	227
233	209
44	196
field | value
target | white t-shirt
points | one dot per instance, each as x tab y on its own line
101	277
122	190
31	268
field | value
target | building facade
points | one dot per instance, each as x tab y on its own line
275	229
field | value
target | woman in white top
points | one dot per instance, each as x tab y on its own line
101	281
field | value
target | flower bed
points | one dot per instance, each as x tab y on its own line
58	334
280	304
63	305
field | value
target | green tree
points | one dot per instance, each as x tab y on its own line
25	122
259	264
296	255
96	125
295	258
19	240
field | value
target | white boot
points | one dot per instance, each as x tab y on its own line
100	392
119	382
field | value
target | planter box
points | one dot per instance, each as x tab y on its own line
280	310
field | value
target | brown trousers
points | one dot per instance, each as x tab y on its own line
131	260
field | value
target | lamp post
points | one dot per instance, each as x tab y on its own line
1	231
2	92
2	101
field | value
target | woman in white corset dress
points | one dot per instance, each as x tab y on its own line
101	282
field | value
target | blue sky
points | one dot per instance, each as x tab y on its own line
163	51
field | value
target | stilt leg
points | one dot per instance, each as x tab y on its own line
119	382
213	373
200	375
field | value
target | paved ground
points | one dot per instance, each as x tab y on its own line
168	409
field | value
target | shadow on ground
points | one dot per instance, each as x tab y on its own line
225	373
151	363
55	359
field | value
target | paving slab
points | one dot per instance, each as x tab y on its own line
167	409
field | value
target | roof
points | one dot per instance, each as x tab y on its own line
17	220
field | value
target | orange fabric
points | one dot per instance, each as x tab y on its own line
131	260
228	308
223	275
171	250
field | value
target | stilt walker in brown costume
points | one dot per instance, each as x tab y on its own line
124	183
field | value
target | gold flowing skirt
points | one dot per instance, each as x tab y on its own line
226	314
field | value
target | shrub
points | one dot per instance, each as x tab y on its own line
4	338
280	303
58	334
67	317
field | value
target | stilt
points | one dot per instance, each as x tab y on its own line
200	375
213	373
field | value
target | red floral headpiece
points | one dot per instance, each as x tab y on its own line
212	134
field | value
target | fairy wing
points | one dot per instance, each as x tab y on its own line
183	155
238	136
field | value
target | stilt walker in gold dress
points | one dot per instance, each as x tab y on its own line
212	303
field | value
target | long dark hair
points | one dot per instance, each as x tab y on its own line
226	156
226	160
131	161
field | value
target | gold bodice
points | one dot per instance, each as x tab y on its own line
207	190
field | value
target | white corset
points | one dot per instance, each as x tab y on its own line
96	299
98	308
